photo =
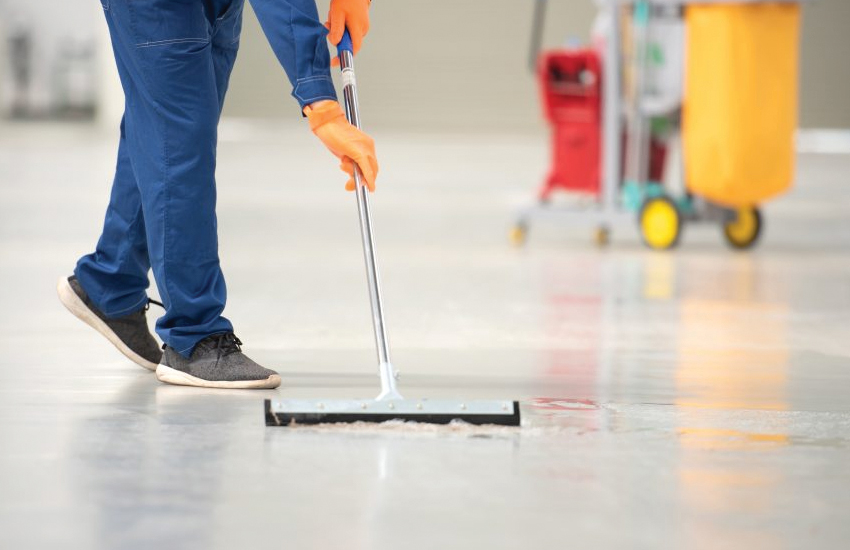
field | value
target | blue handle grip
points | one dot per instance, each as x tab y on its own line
345	44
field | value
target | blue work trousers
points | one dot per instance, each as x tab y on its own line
174	59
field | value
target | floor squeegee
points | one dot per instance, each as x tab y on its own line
389	404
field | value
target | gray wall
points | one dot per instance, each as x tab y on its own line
825	65
468	72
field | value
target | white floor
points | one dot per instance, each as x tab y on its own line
696	399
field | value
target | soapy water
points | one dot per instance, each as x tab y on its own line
540	416
456	428
390	426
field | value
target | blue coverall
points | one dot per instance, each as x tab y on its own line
174	59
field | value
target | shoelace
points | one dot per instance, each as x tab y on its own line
224	344
154	302
227	343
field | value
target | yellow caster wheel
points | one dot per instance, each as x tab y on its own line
660	223
744	230
518	234
602	236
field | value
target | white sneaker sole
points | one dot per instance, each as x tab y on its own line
76	306
173	376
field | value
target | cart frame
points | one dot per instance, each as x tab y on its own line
607	212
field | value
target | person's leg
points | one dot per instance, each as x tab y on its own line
108	288
115	275
174	77
107	291
173	110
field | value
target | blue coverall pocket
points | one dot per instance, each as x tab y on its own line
235	8
228	27
165	22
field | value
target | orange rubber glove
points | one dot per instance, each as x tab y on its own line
353	14
349	144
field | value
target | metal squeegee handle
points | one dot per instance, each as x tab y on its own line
345	50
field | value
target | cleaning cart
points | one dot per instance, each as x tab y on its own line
651	126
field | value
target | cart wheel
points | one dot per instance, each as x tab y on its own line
518	234
602	236
660	223
744	231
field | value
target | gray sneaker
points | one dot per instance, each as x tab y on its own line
129	333
216	362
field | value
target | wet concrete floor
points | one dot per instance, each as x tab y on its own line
696	399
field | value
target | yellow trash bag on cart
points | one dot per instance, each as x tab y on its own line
740	107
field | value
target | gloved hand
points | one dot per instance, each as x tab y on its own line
353	14
348	143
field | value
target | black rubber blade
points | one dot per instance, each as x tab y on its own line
275	416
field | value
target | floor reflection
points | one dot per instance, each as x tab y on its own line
733	355
157	461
